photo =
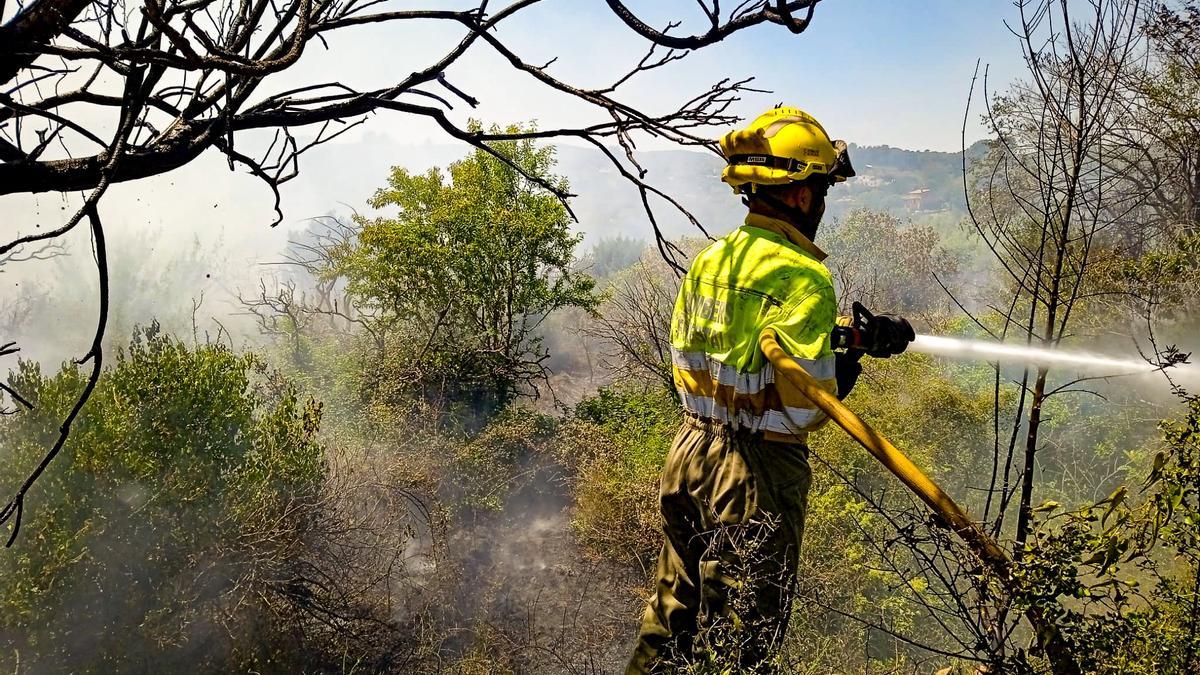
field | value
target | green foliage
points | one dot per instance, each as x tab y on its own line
484	467
1167	276
944	424
613	254
459	280
854	562
615	444
634	420
881	262
178	473
1119	576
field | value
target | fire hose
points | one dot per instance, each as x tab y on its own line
942	505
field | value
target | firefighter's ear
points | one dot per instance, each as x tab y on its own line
801	197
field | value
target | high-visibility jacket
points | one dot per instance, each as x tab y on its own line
764	274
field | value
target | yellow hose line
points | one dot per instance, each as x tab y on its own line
889	455
1058	651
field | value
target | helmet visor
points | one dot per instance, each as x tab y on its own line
841	169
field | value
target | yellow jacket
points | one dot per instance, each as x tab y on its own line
765	274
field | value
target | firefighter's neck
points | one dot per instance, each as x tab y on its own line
764	208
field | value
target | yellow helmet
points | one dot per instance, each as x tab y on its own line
782	146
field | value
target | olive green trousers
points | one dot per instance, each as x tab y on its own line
733	510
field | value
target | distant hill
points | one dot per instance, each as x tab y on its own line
610	206
886	175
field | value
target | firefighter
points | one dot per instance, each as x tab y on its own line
735	483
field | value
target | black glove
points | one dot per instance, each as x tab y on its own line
848	370
888	335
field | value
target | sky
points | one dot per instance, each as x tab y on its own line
872	71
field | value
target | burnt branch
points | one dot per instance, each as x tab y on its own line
779	12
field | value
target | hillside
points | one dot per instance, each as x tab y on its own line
609	206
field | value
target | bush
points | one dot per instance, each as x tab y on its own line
615	444
858	564
188	468
484	469
1120	575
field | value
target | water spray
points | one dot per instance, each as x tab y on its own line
885	335
999	351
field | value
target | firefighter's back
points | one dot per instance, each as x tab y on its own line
743	283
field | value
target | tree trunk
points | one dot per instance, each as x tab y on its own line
1025	504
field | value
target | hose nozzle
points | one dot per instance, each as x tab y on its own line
880	335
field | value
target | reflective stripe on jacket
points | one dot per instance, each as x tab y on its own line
764	274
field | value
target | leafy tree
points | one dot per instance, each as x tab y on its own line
887	265
457	283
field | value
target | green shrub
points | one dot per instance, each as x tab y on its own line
1119	576
857	564
615	444
484	469
144	542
